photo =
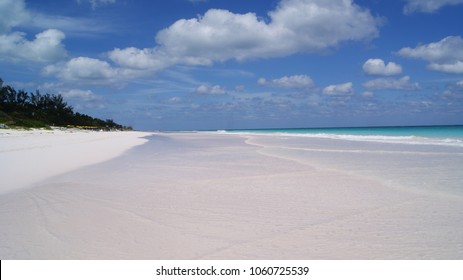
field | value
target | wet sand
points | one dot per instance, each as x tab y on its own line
221	196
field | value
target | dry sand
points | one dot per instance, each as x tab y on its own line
213	196
30	156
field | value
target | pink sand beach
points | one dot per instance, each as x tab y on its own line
137	195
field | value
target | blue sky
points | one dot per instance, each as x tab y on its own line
214	64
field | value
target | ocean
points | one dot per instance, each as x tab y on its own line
426	159
448	135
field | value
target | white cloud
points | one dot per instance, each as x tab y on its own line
446	50
46	47
391	83
139	59
428	6
85	95
445	55
81	27
92	71
368	94
295	81
318	24
339	89
96	3
295	26
174	100
12	13
82	68
205	89
378	67
456	67
219	35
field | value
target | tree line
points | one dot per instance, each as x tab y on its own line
25	109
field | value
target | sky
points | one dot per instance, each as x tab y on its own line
215	64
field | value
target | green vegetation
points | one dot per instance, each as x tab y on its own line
36	110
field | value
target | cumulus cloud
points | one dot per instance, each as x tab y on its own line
91	71
217	36
345	89
82	68
46	47
12	13
139	58
446	50
294	26
205	89
85	95
295	81
377	66
428	6
403	83
456	67
444	56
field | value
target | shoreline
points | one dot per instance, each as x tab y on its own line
396	164
217	196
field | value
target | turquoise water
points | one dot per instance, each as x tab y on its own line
436	135
421	158
454	131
